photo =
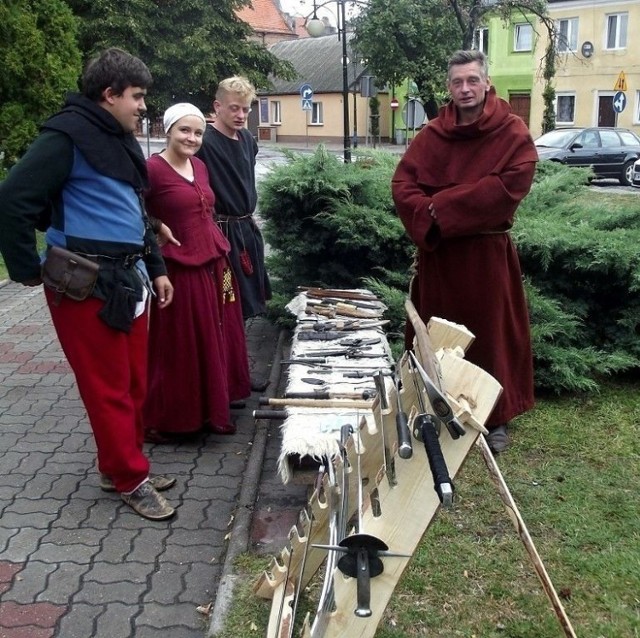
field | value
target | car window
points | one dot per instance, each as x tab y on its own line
628	138
610	138
558	138
588	139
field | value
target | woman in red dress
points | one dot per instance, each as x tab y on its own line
198	360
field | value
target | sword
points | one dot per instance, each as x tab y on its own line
362	552
337	529
365	394
426	430
317	403
303	563
383	405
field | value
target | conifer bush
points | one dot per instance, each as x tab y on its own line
330	223
334	225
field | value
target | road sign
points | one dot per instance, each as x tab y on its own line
395	105
413	113
307	105
621	83
368	86
619	102
306	92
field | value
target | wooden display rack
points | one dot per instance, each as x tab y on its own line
383	489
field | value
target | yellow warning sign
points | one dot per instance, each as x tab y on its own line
621	83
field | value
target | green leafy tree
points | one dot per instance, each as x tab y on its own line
189	45
420	35
40	62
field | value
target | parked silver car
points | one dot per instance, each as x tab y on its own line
610	152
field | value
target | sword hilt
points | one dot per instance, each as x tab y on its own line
441	480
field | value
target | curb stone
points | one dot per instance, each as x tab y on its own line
240	532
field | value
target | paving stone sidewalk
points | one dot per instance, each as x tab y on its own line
75	562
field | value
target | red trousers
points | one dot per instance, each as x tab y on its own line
111	372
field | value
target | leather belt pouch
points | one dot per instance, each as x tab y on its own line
69	274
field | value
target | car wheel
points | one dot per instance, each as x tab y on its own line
626	179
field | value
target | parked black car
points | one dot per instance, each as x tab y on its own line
610	152
635	181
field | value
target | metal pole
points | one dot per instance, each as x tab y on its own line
345	84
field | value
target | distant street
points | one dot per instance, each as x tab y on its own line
267	156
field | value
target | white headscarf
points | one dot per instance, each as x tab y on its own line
178	111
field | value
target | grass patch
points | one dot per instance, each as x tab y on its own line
3	270
573	471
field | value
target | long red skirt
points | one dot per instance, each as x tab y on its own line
198	359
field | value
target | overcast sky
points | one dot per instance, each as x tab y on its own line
305	8
299	7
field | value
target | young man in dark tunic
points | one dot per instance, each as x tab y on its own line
229	152
456	191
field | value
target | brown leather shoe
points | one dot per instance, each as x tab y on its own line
161	483
147	502
498	439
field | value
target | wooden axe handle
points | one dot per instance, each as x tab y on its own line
427	354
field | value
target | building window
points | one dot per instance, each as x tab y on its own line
316	113
264	110
276	113
617	30
523	37
481	40
567	35
565	109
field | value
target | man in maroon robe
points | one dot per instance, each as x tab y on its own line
456	191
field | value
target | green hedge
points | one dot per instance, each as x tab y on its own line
333	224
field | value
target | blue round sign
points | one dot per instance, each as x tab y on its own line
619	101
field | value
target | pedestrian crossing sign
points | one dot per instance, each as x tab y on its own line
621	83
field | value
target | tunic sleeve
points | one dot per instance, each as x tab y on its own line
475	184
29	189
412	203
489	205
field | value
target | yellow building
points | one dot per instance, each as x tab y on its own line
598	58
284	115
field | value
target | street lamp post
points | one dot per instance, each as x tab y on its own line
316	28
